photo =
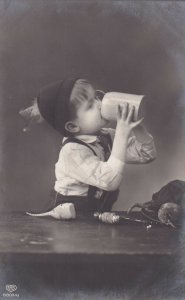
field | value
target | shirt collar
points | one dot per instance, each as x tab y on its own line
88	138
85	138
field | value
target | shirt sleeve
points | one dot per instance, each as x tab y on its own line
82	165
137	152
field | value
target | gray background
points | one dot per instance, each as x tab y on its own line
133	47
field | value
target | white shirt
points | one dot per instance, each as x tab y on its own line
78	167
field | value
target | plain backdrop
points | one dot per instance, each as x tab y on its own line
127	46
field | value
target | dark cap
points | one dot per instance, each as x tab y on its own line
53	103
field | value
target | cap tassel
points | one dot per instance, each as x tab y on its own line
33	115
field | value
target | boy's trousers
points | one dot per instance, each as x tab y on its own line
89	203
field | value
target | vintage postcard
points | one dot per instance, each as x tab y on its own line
92	151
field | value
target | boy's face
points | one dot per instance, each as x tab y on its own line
89	117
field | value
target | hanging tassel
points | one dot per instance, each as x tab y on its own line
32	114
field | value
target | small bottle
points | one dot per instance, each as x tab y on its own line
111	100
107	217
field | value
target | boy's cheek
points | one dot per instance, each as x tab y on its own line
91	120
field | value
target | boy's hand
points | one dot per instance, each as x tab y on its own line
125	124
125	115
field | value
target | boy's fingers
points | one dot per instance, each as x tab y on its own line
125	111
130	116
135	124
119	111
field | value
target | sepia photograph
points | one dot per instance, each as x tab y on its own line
92	152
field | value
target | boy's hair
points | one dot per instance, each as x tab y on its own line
79	94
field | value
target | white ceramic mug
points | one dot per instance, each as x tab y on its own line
111	100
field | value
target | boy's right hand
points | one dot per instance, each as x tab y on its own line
125	116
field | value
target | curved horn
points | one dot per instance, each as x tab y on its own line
40	214
64	211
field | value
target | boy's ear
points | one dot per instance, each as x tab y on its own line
72	127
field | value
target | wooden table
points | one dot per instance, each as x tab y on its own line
66	257
84	239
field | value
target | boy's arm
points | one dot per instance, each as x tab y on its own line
140	148
78	162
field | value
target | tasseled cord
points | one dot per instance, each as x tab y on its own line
32	114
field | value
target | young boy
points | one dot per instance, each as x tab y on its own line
92	158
